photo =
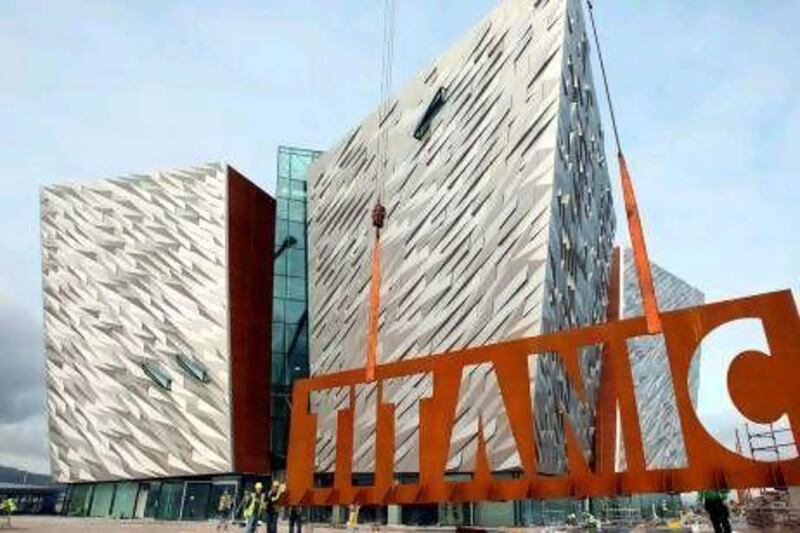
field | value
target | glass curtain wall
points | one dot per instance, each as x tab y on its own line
169	501
124	500
290	298
101	500
79	498
195	502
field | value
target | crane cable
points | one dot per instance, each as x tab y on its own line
378	211
641	260
387	64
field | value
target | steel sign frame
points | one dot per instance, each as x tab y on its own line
763	387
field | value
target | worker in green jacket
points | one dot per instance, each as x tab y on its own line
714	503
8	507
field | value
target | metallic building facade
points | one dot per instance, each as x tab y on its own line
655	397
290	291
156	314
500	219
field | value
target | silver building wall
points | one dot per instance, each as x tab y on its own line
500	222
655	395
135	273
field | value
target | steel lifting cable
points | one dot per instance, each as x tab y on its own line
387	64
649	301
378	211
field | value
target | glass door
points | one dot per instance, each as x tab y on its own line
195	500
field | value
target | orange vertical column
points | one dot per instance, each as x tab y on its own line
374	309
606	434
378	216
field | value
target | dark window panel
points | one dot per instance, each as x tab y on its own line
279	369
424	124
278	342
194	368
158	375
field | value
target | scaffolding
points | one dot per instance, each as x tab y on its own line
772	507
766	442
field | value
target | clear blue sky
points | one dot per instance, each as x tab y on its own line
706	93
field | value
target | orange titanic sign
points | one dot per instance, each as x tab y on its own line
763	387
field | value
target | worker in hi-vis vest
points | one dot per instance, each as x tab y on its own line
8	507
254	507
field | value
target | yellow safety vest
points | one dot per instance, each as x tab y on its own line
255	505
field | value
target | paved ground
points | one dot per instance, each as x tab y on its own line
94	525
50	524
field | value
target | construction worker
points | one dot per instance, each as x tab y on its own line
253	508
295	520
352	519
8	507
714	503
273	510
224	510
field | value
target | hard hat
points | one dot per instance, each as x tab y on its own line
258	485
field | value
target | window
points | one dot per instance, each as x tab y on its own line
280	265
277	310
294	311
282	231
297	211
284	245
194	368
277	339
278	370
298	189
159	376
298	231
296	262
299	166
297	288
279	287
283	187
283	212
434	107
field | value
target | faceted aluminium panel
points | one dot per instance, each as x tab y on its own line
655	396
499	214
134	276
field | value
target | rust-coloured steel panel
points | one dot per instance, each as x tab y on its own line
606	434
762	388
251	238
